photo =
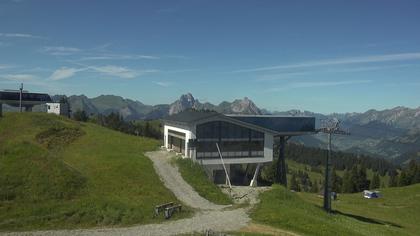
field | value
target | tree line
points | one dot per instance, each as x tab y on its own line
408	175
354	180
115	121
315	157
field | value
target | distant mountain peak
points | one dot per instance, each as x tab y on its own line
245	106
186	101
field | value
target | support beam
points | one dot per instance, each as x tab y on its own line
281	177
327	184
254	182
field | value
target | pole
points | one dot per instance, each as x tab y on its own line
224	167
331	127
20	97
281	177
327	184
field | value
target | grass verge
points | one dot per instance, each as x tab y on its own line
194	175
395	214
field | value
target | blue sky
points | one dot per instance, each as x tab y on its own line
322	56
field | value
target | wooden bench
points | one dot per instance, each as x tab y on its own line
171	209
159	208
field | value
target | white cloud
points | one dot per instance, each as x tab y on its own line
339	61
60	50
289	75
314	84
117	71
18	77
109	70
117	57
163	83
64	73
20	35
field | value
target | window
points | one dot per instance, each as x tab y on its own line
235	141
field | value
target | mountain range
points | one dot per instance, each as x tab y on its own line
392	133
135	110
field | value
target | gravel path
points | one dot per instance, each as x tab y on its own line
173	181
220	221
209	215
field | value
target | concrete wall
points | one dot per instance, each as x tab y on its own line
188	135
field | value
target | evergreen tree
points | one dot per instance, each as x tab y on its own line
80	115
393	179
315	187
294	185
147	129
411	171
362	181
337	181
404	180
348	185
354	178
376	181
417	176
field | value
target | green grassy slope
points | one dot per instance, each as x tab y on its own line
194	175
397	213
57	173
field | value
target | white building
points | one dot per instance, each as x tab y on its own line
242	139
58	108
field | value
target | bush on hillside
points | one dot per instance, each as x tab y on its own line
56	137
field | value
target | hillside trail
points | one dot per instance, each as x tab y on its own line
208	216
173	180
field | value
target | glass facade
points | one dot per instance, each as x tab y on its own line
234	141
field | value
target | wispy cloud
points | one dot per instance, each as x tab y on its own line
64	73
116	57
100	52
290	75
163	83
339	61
180	71
117	71
296	85
20	35
281	76
18	77
60	50
109	70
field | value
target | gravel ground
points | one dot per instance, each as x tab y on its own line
173	180
209	216
245	194
220	221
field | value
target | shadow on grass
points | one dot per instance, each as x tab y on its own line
367	220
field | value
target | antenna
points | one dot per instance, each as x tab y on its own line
330	127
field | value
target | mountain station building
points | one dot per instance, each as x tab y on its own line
242	139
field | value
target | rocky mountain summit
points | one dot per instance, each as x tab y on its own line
186	101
